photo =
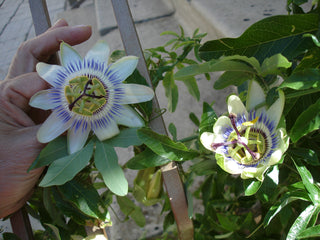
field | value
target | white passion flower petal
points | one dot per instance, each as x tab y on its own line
124	67
221	124
42	100
68	55
128	117
77	137
99	52
236	106
207	138
227	164
110	131
135	93
49	73
255	95
275	110
52	128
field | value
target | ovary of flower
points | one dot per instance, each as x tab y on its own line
88	94
248	141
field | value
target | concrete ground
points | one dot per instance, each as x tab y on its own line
220	18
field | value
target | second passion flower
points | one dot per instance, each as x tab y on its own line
88	94
248	141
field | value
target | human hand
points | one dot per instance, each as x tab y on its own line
18	122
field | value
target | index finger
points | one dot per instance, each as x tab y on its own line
39	49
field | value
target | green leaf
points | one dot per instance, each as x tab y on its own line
307	179
228	222
171	90
84	196
303	79
284	201
275	64
64	169
51	208
194	119
208	118
230	63
315	216
126	138
310	232
300	223
251	186
146	159
54	150
170	33
131	210
10	236
106	161
55	230
192	87
307	155
204	167
308	121
276	34
314	39
173	131
269	186
68	208
310	60
165	147
232	78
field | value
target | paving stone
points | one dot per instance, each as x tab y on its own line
151	9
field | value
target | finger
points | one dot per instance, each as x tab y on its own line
60	23
20	89
15	94
42	47
49	42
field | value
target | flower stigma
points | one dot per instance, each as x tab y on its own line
86	96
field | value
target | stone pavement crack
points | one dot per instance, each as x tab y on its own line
2	3
11	17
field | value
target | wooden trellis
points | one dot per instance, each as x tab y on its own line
172	181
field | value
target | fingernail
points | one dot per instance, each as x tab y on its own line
82	26
59	21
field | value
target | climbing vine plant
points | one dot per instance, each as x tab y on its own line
258	163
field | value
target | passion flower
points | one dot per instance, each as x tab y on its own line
88	94
248	140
